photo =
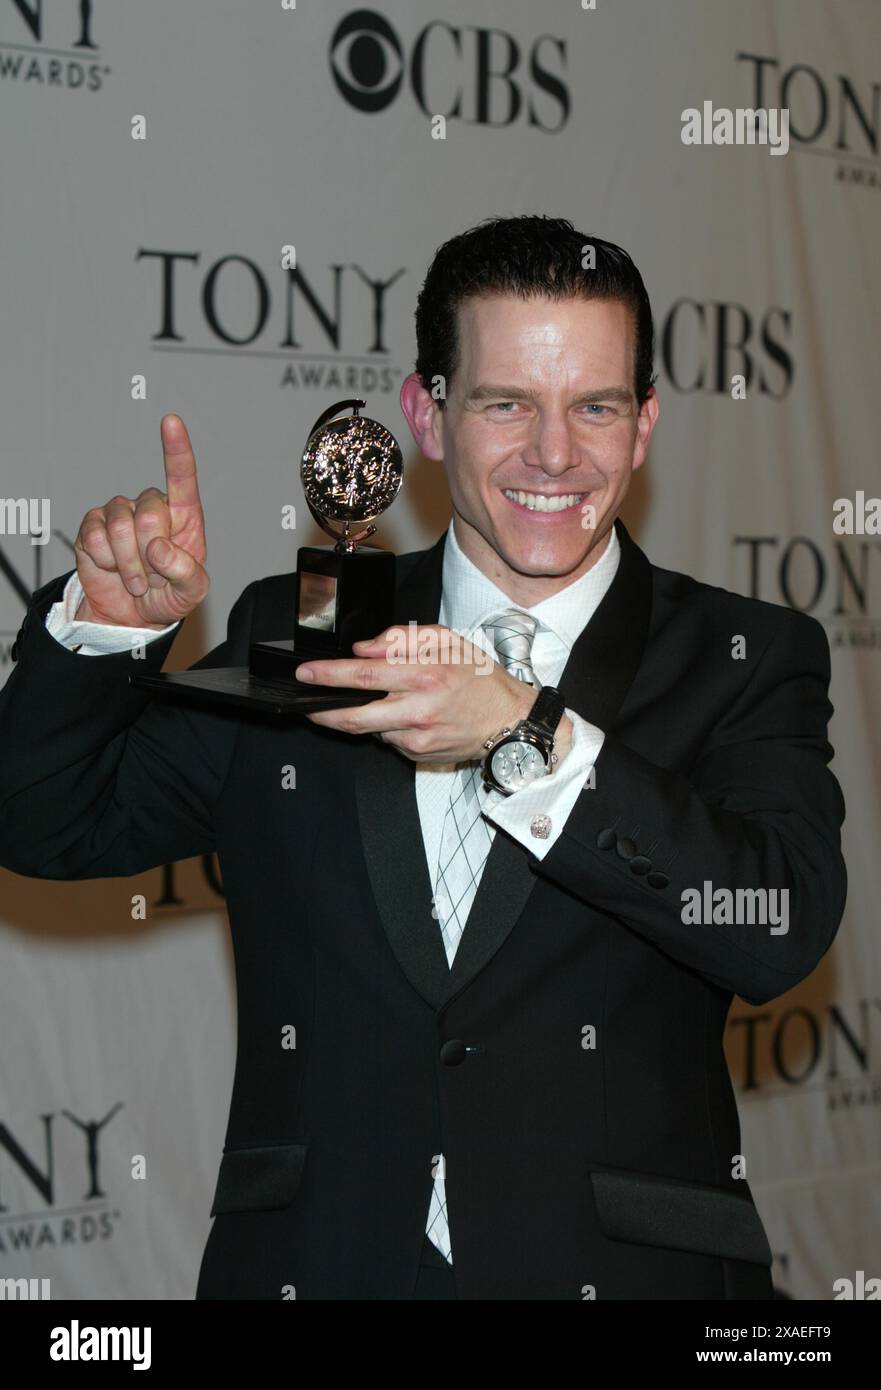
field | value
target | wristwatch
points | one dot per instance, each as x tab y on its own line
518	756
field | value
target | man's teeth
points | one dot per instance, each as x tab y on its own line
539	502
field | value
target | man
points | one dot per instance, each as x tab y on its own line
508	1079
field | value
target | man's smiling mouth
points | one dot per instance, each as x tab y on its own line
544	501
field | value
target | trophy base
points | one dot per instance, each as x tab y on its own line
262	688
339	599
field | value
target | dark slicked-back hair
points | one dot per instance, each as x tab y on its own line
524	256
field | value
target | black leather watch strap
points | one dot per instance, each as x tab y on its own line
548	710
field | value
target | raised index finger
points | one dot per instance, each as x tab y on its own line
181	484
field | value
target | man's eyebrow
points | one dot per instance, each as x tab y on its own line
488	392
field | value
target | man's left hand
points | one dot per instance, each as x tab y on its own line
445	696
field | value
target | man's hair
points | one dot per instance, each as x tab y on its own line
524	256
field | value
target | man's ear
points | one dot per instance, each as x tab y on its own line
424	416
648	418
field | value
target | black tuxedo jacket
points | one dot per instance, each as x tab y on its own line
571	1170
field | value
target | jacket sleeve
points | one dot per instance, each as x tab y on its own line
98	780
759	810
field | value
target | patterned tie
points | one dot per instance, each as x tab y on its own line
465	844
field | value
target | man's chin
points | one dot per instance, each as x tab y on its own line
552	558
544	564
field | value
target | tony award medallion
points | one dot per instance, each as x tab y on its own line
351	471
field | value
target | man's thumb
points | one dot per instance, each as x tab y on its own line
179	567
160	553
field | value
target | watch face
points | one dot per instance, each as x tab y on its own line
517	763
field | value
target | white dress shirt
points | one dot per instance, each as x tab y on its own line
469	598
93	639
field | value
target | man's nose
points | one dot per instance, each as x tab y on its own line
553	446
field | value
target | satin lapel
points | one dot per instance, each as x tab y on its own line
595	680
385	789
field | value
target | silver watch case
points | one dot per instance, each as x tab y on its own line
523	732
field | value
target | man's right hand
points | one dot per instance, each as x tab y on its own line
140	561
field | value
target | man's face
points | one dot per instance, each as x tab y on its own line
542	404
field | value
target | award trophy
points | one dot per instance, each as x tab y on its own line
351	473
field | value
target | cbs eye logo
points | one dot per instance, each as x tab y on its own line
367	61
485	77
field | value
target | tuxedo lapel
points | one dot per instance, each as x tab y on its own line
601	667
385	789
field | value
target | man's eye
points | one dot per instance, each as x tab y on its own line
598	411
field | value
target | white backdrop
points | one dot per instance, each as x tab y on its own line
161	257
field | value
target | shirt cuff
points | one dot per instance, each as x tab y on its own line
551	797
93	639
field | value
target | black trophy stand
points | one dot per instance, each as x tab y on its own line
341	595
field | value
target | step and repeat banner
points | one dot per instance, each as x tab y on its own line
155	162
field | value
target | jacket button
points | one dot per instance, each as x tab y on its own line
626	848
606	839
657	879
639	864
452	1052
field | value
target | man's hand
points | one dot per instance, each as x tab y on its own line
140	560
438	712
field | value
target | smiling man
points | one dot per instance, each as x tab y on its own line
509	1079
534	434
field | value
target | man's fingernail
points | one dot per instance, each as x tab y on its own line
304	673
